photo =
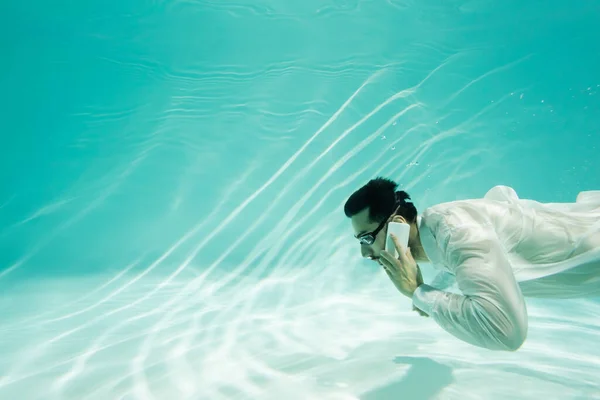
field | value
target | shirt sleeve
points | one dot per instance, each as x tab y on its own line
443	280
490	311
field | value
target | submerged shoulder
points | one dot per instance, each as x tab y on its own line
462	213
497	194
443	215
502	193
450	208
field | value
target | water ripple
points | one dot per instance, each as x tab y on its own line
228	269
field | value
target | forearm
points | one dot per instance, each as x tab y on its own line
480	321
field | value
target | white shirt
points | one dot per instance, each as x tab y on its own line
500	249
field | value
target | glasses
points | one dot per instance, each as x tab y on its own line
368	238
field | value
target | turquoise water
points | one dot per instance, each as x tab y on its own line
173	175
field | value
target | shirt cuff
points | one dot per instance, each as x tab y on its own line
424	298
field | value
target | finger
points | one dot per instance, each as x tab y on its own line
388	266
387	256
388	272
409	255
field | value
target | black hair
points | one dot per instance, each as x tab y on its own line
380	196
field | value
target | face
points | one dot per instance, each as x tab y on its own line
362	225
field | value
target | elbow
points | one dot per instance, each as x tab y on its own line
513	335
508	330
514	340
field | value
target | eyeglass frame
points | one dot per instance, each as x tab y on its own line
368	238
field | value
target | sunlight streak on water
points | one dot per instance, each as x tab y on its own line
309	331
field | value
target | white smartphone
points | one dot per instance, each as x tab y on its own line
401	231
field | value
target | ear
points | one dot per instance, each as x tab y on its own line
399	218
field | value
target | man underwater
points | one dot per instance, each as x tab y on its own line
498	249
